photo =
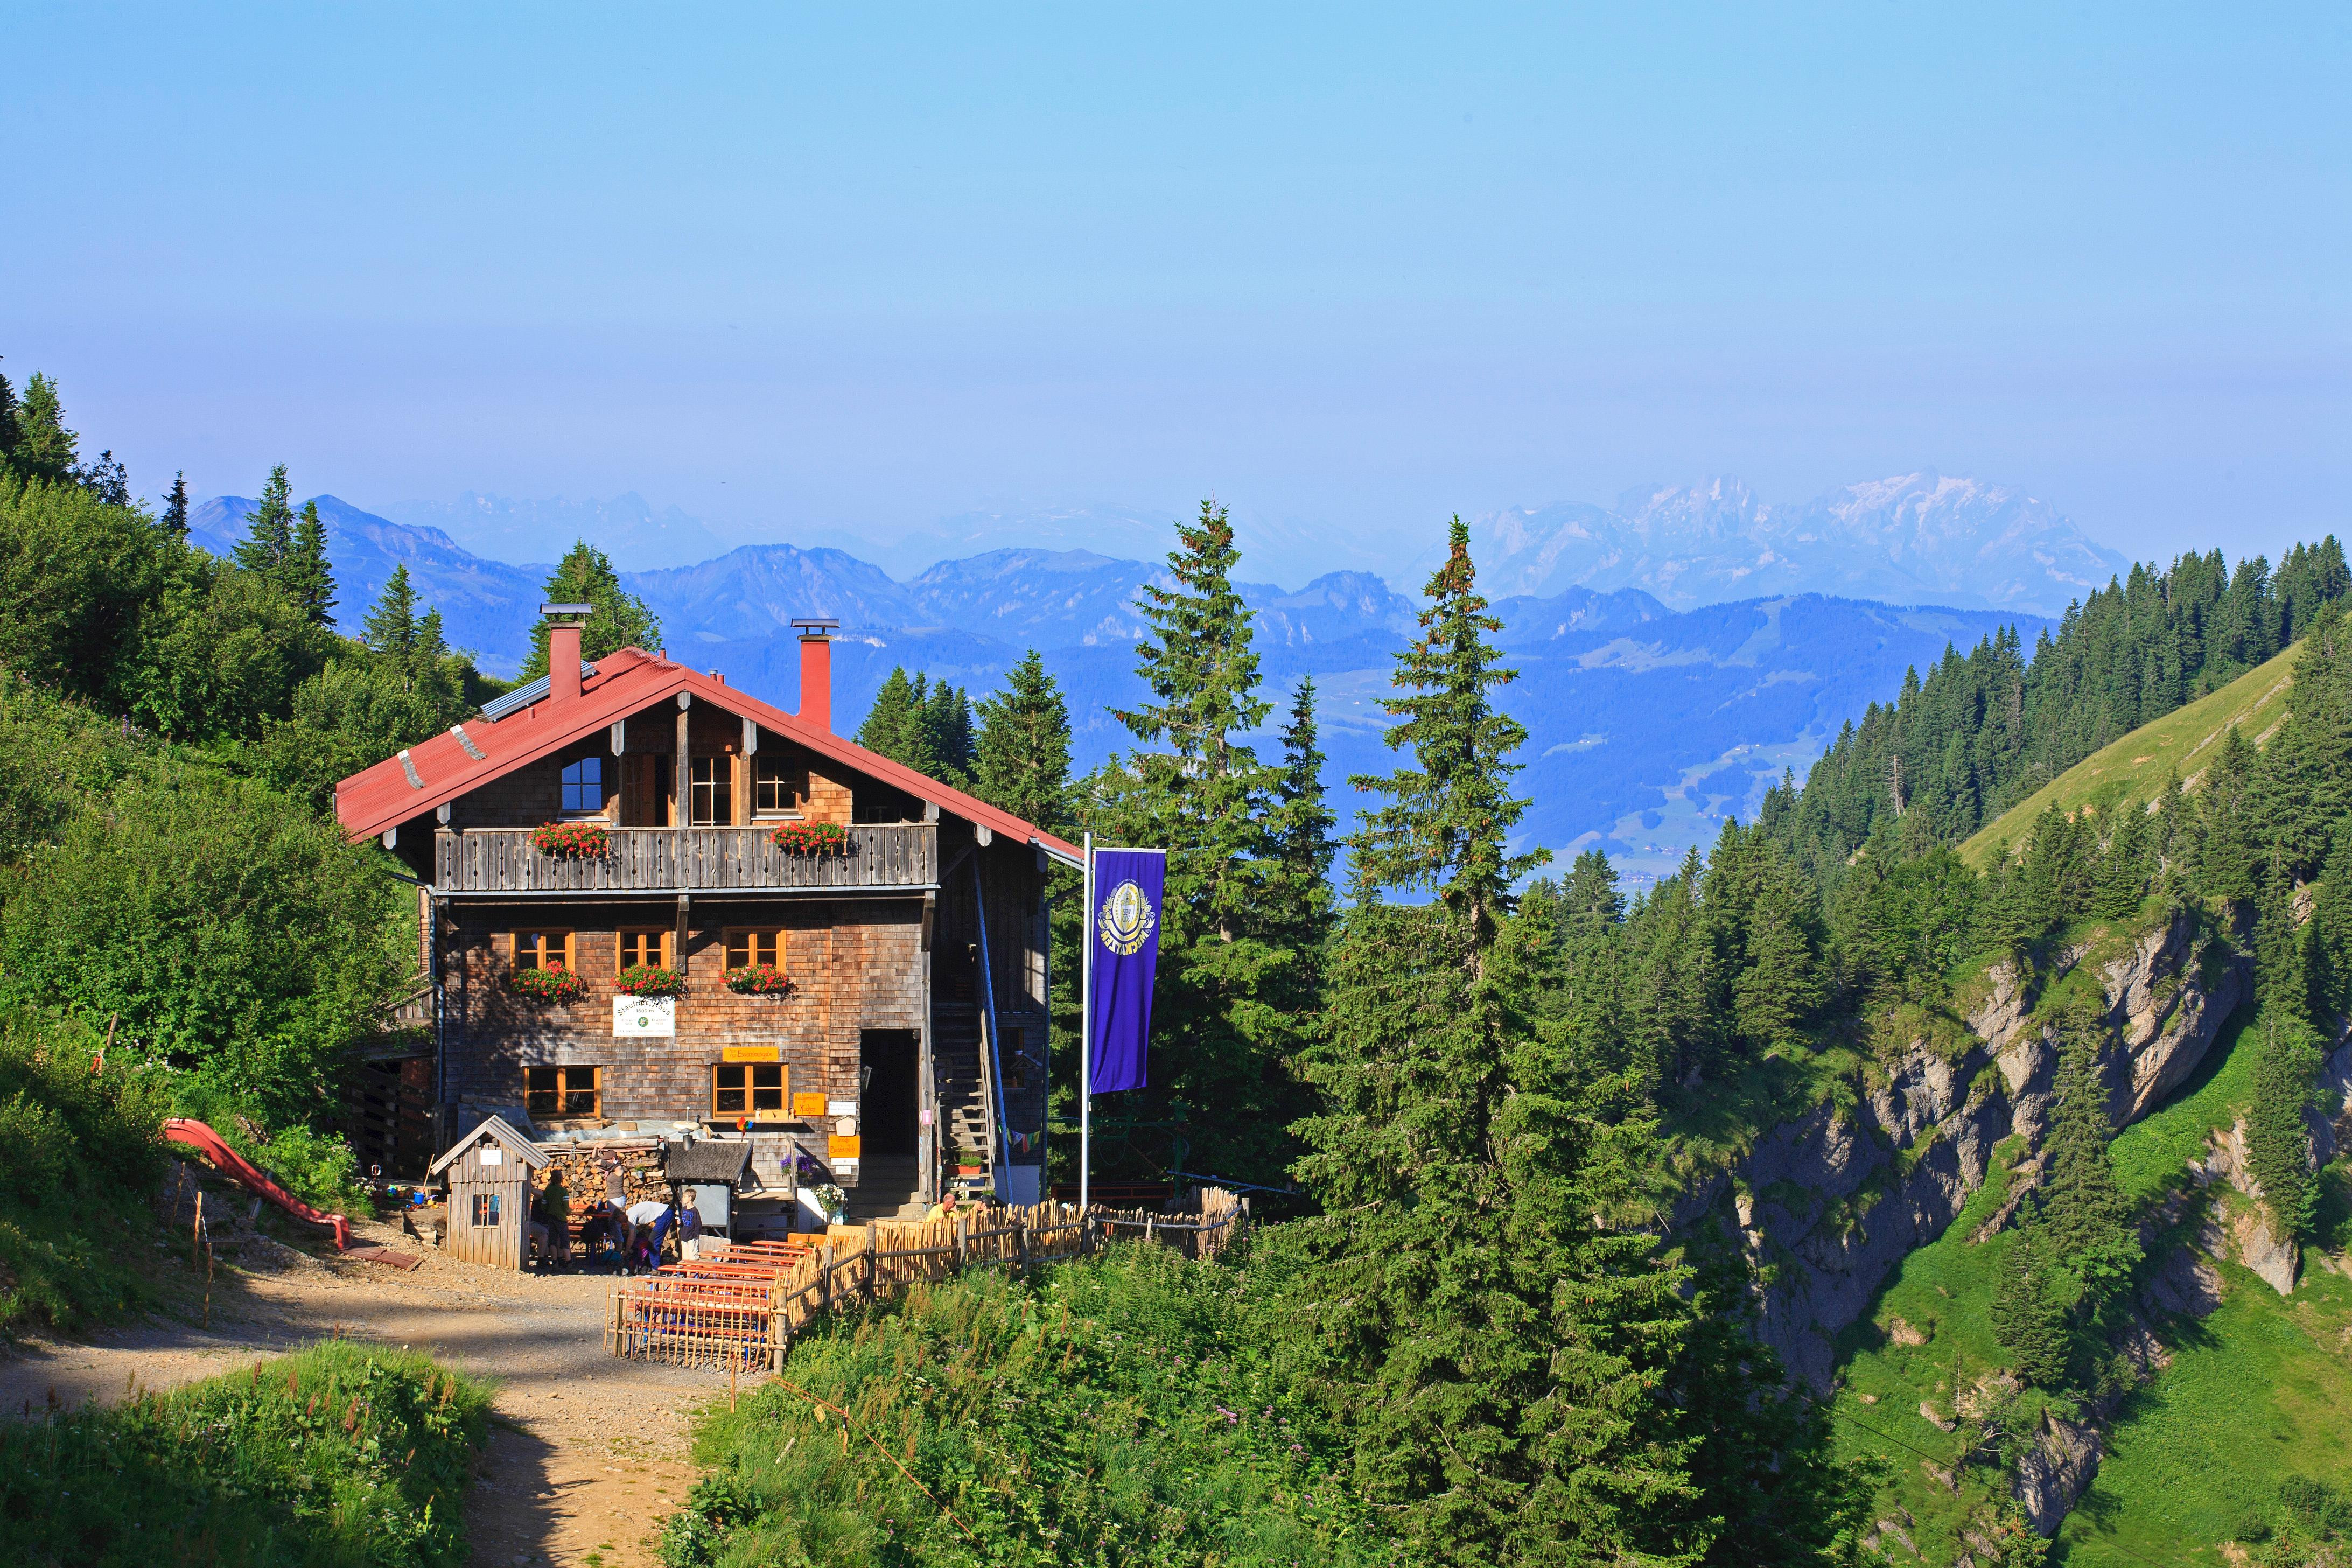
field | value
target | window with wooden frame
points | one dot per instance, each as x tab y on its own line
583	787
779	786
750	1089
748	947
651	946
543	950
710	792
486	1211
562	1091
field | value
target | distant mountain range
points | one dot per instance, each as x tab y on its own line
1647	722
1918	538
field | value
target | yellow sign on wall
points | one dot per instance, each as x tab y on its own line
809	1104
750	1053
839	1148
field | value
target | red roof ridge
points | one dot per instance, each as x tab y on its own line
445	767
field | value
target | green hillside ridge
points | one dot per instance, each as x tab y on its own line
2136	767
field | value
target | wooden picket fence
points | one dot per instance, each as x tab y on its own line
739	1308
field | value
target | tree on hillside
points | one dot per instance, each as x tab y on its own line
2278	1139
391	628
1298	889
175	507
306	577
269	531
884	732
1022	753
2029	1305
43	448
616	619
1500	1325
10	411
923	725
1219	1080
2085	1213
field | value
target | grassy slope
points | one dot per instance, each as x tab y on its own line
2135	767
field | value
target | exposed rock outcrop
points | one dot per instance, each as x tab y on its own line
2055	1470
2249	1230
1828	1205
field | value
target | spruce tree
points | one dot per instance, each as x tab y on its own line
885	730
44	448
268	541
2086	1214
1591	899
616	618
1299	891
1022	753
10	431
2028	1306
1193	787
306	577
175	506
938	739
2278	1140
391	628
1503	1326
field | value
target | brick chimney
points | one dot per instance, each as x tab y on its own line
563	624
817	672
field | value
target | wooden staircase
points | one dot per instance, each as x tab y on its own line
964	1081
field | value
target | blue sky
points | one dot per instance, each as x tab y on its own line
1350	269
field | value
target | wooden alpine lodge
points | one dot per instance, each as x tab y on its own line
654	905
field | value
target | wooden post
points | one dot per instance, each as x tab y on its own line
959	1244
197	1231
1021	1243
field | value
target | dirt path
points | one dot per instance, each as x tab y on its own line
587	1454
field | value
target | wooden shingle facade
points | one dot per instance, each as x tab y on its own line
913	1027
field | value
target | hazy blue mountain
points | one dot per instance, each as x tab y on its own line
759	589
625	528
1915	539
487	606
1647	723
1045	597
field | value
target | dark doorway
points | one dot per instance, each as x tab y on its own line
890	1091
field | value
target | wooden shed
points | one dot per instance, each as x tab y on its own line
487	1173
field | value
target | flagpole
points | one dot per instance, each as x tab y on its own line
1085	1031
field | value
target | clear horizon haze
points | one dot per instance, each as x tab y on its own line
848	273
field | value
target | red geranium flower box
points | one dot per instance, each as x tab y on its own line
548	985
572	840
759	980
650	980
811	837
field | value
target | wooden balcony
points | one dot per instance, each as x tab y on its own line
500	860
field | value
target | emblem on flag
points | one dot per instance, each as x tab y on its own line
1126	920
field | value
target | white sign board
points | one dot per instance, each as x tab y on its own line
493	1155
645	1016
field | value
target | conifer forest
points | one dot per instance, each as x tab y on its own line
1842	1197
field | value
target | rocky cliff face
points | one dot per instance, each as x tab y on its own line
1827	1206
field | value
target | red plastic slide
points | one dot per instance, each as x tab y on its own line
229	1163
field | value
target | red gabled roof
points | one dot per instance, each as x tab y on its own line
383	796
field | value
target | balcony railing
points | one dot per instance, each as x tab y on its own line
684	859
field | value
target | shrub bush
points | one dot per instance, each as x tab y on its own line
345	1455
83	1148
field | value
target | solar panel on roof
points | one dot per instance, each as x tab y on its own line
522	696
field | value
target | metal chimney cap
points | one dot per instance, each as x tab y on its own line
566	612
809	627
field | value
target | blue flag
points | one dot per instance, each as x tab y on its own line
1123	928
